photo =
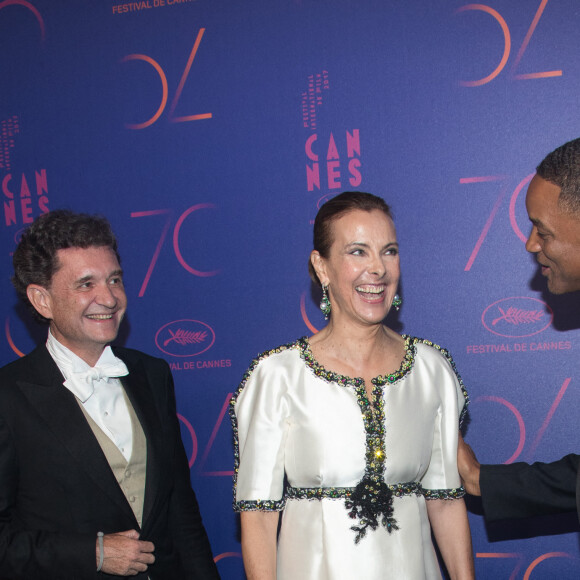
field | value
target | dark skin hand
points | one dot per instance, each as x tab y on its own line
468	467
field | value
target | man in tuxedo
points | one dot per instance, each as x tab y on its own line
553	206
94	480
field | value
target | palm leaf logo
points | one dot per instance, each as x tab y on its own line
517	316
184	337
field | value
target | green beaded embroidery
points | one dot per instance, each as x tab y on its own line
374	425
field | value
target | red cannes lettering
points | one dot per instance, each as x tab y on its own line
313	176
26	209
543	557
332	152
10	212
308	147
43	203
312	173
353	167
193	439
353	143
24	189
519	557
518	416
161	74
41	183
5	190
212	437
506	49
333	174
176	240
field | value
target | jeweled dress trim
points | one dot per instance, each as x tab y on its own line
371	501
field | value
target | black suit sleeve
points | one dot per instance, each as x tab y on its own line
28	553
521	490
186	526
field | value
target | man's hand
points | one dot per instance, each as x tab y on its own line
468	467
125	554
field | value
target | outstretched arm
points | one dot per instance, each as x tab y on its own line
520	490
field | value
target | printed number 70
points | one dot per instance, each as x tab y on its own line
169	214
503	179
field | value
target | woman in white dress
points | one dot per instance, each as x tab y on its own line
351	434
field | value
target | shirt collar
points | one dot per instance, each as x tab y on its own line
71	365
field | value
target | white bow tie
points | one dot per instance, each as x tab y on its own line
83	382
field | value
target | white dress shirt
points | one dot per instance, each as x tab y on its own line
103	398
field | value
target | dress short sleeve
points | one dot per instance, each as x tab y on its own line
442	481
260	419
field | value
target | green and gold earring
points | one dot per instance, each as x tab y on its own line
325	305
396	302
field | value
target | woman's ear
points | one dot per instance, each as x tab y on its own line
319	266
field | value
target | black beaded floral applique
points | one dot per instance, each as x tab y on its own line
371	501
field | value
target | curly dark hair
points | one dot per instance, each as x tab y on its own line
35	258
335	208
562	168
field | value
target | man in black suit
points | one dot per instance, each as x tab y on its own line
553	206
94	480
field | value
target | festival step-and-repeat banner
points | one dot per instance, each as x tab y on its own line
210	132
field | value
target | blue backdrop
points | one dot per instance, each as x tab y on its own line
208	133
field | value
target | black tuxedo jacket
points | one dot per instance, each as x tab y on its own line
57	489
520	490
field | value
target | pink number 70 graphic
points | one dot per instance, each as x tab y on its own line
503	180
176	248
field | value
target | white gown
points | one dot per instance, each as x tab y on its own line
301	437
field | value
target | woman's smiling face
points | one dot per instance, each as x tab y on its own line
362	269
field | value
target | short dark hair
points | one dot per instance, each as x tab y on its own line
562	168
335	208
35	258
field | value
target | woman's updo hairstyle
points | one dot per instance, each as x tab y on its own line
335	208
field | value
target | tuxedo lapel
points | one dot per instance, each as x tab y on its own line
58	409
138	390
